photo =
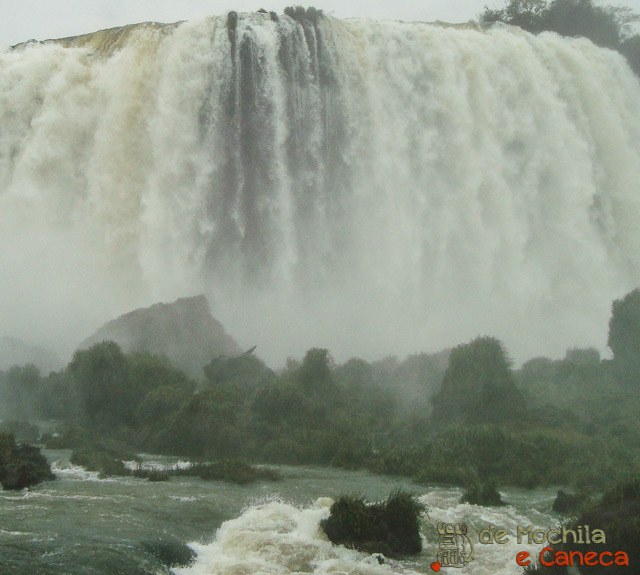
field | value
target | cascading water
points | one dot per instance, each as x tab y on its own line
369	187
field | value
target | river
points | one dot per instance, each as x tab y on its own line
83	525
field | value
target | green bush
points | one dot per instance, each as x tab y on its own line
485	494
21	465
391	528
232	470
96	458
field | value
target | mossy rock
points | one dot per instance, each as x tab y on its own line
391	527
171	552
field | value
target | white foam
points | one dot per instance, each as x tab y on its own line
277	538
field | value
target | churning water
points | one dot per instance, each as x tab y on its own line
371	187
81	525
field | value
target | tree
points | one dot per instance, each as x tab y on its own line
315	372
526	13
630	47
583	18
245	372
610	27
207	425
624	331
101	376
22	387
478	386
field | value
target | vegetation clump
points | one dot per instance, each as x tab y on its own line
98	458
71	437
232	470
460	417
21	465
607	26
391	527
485	494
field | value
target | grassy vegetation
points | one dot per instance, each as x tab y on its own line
232	470
98	458
110	463
391	527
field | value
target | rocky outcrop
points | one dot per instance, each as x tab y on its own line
184	331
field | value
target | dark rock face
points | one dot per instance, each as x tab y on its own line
184	331
21	465
567	502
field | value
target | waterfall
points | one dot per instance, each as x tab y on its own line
370	187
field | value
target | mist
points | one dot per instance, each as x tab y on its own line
371	188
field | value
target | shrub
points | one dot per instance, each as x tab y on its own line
96	458
391	528
233	470
21	465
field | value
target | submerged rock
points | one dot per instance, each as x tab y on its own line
171	552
